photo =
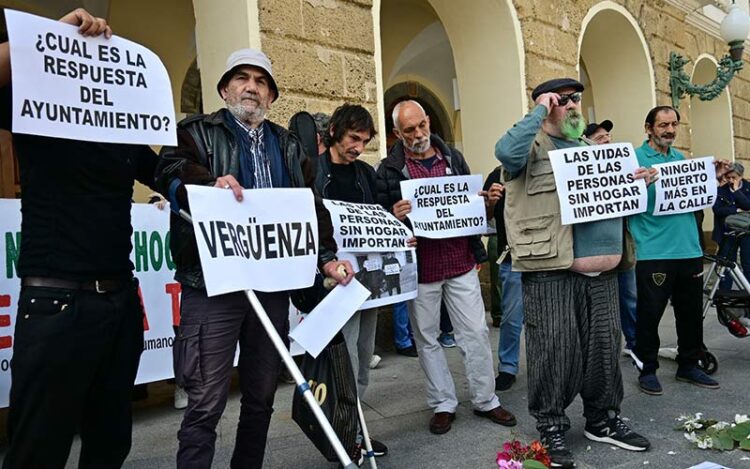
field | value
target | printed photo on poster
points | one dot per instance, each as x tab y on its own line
391	277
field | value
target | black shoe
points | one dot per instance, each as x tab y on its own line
504	381
378	448
560	456
408	351
614	431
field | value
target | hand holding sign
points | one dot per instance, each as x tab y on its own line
89	25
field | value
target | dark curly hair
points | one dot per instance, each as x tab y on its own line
349	117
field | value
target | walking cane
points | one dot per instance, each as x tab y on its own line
302	386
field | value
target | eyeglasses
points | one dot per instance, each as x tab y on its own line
564	98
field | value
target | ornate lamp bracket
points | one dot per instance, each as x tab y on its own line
680	84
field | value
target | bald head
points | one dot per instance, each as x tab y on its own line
412	126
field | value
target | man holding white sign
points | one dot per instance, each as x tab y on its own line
234	148
342	176
79	331
446	270
569	275
669	253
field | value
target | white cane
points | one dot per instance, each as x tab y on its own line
366	436
302	386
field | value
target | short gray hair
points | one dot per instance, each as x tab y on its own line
321	123
397	109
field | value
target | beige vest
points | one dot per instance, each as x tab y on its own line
537	238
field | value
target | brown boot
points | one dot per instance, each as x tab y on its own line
441	422
498	415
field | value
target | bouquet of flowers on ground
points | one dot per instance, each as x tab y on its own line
516	455
712	434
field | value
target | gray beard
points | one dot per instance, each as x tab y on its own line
417	147
254	117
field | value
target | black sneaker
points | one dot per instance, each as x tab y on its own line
560	456
504	381
408	351
616	432
378	449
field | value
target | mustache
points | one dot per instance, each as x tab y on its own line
253	96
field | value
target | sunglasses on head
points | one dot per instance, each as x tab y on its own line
564	98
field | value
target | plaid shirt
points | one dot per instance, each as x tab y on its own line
439	259
260	166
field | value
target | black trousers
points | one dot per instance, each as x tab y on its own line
209	331
658	281
75	359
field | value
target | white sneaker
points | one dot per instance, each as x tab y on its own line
374	361
180	398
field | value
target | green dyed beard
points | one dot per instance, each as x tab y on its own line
573	125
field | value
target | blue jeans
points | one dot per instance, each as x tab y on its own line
628	303
402	335
728	251
511	323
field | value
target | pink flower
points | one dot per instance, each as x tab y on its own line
504	456
509	465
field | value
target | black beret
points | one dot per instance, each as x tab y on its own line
556	84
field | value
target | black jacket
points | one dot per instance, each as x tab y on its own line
364	173
393	170
206	149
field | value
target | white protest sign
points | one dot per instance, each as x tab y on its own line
323	322
267	242
446	207
685	186
295	319
596	182
154	269
391	277
86	88
366	227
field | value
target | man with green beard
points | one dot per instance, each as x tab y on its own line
569	280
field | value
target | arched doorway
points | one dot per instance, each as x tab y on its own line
711	132
470	59
618	73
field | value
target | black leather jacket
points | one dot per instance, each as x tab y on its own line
206	149
393	170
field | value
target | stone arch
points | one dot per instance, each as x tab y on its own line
486	47
710	121
620	74
191	98
711	128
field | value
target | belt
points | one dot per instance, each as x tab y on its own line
99	286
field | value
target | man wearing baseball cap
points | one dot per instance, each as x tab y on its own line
234	148
569	280
599	133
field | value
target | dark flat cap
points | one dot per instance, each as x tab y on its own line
591	128
556	84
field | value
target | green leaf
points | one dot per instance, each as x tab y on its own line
533	464
741	431
723	442
745	444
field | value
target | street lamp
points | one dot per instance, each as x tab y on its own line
734	30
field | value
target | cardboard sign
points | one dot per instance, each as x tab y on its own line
86	88
366	228
685	186
267	242
446	207
596	182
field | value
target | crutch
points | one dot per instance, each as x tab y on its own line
302	387
366	435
